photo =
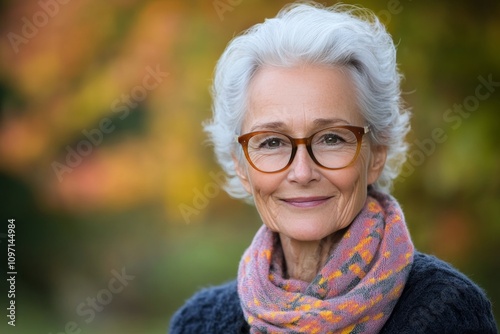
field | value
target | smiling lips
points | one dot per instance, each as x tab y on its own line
306	202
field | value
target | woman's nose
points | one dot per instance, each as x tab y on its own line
303	169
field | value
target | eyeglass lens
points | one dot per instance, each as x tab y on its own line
332	148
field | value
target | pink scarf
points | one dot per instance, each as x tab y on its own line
356	290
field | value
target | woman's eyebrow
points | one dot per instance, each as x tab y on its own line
280	126
324	122
268	126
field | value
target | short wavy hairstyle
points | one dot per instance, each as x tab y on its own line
342	35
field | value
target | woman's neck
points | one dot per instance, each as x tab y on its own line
304	259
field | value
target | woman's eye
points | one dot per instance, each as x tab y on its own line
332	139
271	143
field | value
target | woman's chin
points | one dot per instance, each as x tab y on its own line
307	232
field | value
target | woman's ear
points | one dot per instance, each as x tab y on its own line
376	163
242	172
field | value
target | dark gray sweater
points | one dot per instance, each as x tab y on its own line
436	299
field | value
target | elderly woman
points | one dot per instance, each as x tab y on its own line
309	125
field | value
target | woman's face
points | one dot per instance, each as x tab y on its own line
307	202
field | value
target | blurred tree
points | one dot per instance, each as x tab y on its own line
124	85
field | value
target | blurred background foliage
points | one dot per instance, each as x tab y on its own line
146	196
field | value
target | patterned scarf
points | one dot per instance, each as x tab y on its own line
356	290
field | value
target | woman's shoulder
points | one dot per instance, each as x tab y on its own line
439	299
211	310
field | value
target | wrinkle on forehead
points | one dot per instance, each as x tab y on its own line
301	100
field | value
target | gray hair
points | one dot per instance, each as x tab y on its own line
341	35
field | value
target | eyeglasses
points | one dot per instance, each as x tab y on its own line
331	148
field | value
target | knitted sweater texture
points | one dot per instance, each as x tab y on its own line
436	299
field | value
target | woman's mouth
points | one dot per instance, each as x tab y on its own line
306	202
